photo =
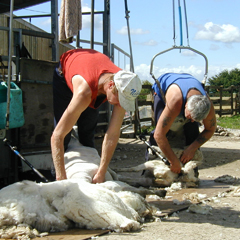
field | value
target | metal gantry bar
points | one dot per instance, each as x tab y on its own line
54	20
129	36
92	24
9	63
182	47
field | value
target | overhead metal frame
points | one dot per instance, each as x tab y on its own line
181	43
186	48
54	30
18	4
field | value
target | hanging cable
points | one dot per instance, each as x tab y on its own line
181	44
174	35
180	22
186	21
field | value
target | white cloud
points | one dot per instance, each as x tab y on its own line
138	31
86	19
148	43
226	33
143	70
188	53
214	47
46	22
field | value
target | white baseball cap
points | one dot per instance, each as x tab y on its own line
129	86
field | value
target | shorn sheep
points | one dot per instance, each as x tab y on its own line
75	202
158	174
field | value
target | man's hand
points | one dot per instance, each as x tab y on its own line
60	178
187	155
98	178
175	167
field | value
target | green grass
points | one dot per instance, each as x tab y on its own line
146	130
229	122
225	122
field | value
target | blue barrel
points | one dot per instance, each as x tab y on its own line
16	115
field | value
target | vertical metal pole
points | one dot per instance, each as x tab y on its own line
112	57
78	40
54	20
137	124
107	45
9	62
92	24
106	29
129	36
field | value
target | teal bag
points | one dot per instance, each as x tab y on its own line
16	115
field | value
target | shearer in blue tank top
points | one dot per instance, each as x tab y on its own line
183	80
186	105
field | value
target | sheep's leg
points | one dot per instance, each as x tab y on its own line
136	182
144	191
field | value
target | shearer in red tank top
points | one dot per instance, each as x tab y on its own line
79	61
83	80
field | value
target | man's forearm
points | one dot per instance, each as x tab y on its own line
108	148
58	159
203	137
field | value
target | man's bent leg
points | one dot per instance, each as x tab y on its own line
191	131
86	127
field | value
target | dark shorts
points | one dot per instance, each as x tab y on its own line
87	121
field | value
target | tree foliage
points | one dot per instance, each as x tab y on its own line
145	91
226	78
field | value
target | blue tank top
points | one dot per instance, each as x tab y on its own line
183	80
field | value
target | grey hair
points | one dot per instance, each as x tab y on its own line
198	106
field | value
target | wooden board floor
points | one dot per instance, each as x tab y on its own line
74	234
208	187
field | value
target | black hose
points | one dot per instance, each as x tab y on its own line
25	160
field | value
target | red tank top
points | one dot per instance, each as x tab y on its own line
88	63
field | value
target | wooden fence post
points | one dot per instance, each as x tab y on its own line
238	101
220	101
232	99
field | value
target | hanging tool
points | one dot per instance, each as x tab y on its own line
181	45
143	138
14	149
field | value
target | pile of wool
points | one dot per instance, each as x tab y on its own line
61	205
21	232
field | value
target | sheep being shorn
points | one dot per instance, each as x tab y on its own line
75	202
55	206
159	174
82	163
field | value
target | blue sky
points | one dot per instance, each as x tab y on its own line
213	26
